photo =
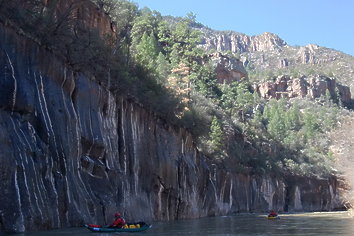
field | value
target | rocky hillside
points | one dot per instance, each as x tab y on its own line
228	69
268	55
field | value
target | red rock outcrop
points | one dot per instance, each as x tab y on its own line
313	87
227	69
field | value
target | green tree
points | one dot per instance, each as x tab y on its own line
276	116
311	125
164	37
228	97
145	23
185	41
147	51
257	120
204	79
237	97
276	125
163	68
244	97
293	117
329	117
216	135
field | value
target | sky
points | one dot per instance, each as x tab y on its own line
328	23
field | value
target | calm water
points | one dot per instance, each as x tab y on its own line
333	223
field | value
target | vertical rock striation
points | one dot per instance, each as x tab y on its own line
74	153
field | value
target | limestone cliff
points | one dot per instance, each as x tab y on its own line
74	153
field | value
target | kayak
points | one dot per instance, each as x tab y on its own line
273	217
129	227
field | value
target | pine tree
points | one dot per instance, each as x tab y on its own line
244	97
311	126
185	41
147	51
257	118
216	135
164	37
276	125
204	79
146	23
276	115
163	68
292	117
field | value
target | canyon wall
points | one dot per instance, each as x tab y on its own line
74	153
237	42
268	53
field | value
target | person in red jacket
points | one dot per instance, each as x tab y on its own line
273	214
119	222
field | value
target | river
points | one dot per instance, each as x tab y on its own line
323	223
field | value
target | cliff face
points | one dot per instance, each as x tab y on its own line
237	42
268	53
313	87
82	12
74	153
227	69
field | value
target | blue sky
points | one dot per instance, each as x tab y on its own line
328	23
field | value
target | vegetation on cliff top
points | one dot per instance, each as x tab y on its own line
157	61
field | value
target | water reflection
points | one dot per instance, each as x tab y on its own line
330	223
